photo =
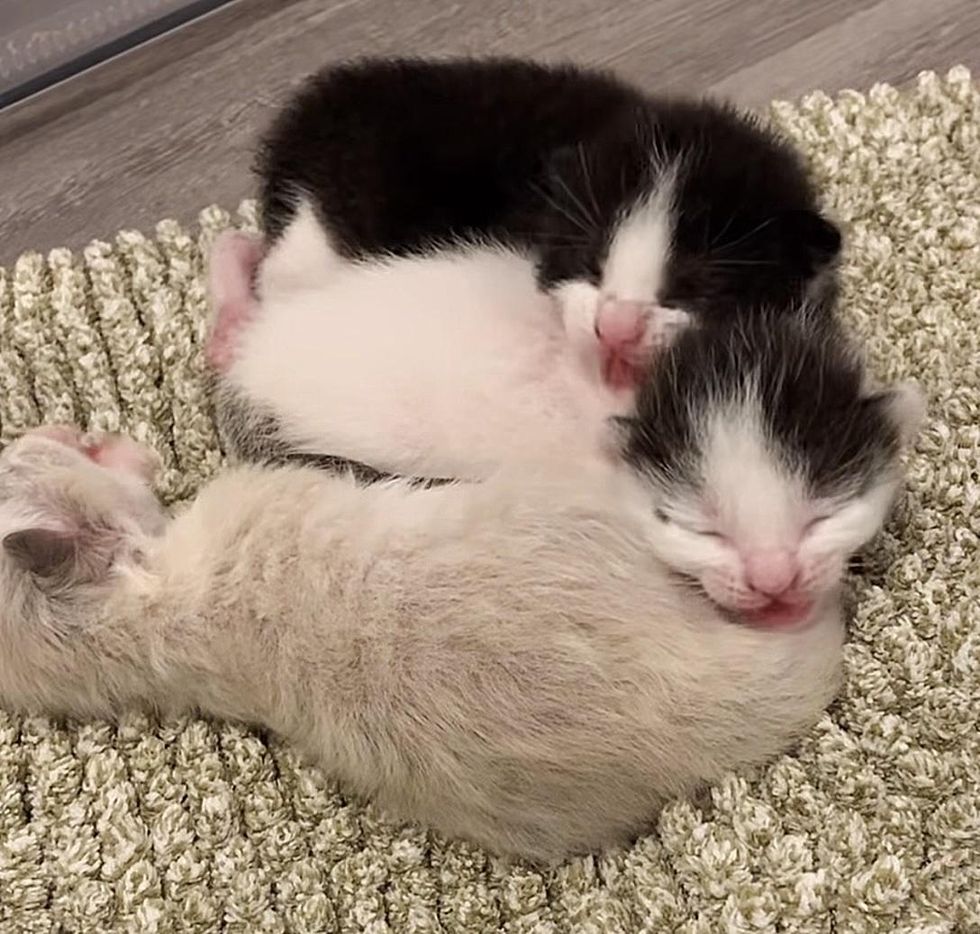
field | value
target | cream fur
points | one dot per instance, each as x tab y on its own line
454	364
502	661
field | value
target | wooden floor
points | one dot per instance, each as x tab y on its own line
169	127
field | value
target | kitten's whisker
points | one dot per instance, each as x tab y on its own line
564	211
576	201
588	179
721	233
745	236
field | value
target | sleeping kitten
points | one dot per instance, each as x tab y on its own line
770	460
766	462
637	210
435	366
501	661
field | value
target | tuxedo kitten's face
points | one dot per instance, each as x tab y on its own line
690	207
770	465
70	504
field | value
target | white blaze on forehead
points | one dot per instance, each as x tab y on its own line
759	501
640	248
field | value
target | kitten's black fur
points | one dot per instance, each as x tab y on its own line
397	156
809	380
250	435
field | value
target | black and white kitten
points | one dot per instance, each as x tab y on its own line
636	209
763	458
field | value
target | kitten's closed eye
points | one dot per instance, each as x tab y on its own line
662	516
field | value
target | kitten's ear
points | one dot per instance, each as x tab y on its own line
232	266
72	549
42	551
818	239
905	405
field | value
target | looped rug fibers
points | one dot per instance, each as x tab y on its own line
872	825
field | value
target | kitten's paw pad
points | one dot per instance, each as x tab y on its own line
623	330
637	327
114	451
622	325
118	452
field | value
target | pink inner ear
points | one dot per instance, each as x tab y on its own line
234	261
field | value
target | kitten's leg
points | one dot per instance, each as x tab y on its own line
75	521
578	302
234	261
70	644
119	452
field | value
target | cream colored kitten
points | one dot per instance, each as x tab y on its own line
505	661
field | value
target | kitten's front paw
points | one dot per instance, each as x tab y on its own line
620	337
578	302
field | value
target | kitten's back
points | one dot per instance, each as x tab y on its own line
501	660
432	366
438	144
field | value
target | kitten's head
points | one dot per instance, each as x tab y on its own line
769	461
687	205
71	505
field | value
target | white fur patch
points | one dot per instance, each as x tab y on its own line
757	500
640	247
753	504
303	257
443	365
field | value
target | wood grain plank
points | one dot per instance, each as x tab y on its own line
170	127
891	41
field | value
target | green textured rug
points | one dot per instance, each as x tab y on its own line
873	826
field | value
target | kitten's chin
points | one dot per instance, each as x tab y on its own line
775	616
779	615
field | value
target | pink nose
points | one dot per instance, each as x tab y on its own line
621	322
772	571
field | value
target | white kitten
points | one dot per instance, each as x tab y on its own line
503	661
